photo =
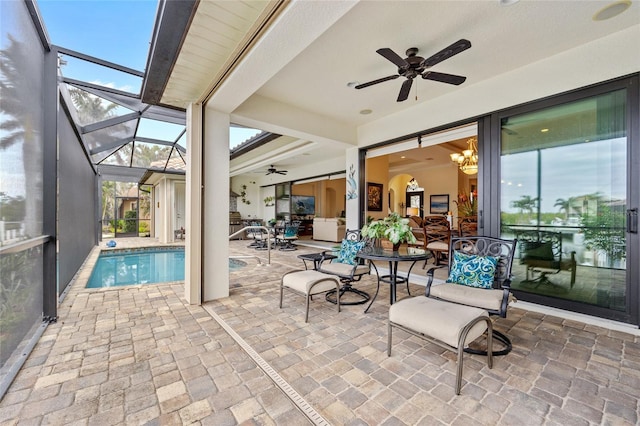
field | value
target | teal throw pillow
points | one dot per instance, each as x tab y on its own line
348	251
472	270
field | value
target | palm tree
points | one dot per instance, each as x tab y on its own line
91	109
21	112
565	205
526	204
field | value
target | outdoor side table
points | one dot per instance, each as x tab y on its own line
316	258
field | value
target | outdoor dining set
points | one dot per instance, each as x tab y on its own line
453	314
280	235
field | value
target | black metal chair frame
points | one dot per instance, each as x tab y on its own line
347	280
486	246
286	238
552	264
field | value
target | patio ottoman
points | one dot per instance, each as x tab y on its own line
308	283
449	325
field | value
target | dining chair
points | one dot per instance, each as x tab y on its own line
468	226
437	238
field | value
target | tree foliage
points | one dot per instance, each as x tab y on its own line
606	231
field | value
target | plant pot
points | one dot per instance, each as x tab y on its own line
388	245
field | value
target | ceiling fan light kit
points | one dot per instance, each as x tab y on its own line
413	66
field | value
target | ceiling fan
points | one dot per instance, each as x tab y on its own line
414	65
271	170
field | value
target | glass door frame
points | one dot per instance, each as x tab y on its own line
489	146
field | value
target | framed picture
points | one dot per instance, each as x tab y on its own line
439	204
374	197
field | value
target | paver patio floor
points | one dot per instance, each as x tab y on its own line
141	355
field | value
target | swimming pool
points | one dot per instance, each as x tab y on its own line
115	268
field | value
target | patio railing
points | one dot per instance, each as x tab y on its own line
253	227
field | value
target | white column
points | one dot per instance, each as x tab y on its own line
193	196
215	238
353	190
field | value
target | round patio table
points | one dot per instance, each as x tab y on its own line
404	254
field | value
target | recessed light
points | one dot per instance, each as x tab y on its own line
403	157
507	2
544	130
612	10
366	111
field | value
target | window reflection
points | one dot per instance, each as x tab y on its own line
563	194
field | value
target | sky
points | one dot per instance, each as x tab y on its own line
595	167
118	31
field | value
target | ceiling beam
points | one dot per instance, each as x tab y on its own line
172	23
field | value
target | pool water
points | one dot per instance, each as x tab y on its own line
143	266
120	268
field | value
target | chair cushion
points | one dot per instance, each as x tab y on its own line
343	269
536	250
490	299
310	282
348	251
472	270
441	320
438	245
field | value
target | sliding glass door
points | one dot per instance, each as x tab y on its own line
564	180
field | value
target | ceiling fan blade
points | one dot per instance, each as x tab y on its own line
404	90
449	51
380	80
393	57
444	78
281	172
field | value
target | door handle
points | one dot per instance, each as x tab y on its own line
632	221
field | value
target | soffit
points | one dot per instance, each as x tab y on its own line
520	40
219	33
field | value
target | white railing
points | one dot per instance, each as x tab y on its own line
254	227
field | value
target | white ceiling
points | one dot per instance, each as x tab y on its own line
293	78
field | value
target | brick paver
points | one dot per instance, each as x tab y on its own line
141	355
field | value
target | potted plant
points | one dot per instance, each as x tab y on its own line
269	201
394	228
467	204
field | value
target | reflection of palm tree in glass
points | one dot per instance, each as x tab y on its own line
21	109
565	205
605	231
526	204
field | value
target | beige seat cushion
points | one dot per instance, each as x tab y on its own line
438	245
343	269
303	281
480	297
441	320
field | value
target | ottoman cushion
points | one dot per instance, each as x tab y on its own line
302	281
441	320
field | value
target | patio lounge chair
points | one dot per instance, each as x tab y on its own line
490	291
286	238
541	252
348	268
